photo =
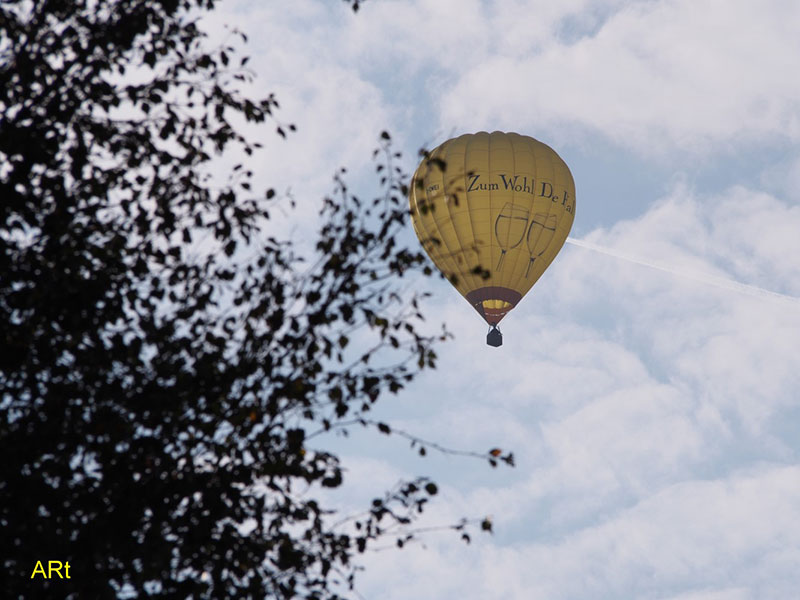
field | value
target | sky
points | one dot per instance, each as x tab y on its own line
648	385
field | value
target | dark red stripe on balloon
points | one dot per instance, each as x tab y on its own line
493	315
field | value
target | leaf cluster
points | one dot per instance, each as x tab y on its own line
164	353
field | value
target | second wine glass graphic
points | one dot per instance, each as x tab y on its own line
509	229
540	234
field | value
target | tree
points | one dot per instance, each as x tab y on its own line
165	362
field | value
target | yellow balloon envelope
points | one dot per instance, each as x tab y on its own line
492	210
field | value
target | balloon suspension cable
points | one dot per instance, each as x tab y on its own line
494	338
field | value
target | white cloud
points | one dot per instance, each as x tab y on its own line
653	417
339	114
733	538
711	594
678	76
783	177
660	76
643	411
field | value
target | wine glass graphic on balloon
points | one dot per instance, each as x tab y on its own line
540	234
509	229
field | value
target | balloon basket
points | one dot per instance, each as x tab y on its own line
494	338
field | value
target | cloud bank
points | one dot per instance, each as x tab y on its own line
654	417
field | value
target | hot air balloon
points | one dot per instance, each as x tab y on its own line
492	210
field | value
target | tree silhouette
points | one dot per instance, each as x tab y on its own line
163	359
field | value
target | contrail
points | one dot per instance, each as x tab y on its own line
720	282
